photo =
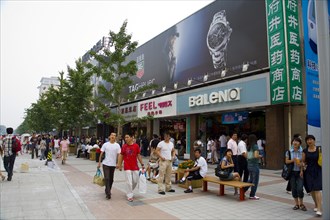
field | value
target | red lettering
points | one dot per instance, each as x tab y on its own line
169	103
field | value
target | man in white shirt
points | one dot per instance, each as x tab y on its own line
241	158
232	144
197	172
223	144
165	151
112	151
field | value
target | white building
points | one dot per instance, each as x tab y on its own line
46	83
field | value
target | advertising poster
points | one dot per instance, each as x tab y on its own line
312	72
222	36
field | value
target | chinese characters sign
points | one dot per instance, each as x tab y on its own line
158	107
284	51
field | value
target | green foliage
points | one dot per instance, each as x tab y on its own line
114	68
65	107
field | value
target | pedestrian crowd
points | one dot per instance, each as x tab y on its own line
239	156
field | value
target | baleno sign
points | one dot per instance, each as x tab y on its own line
228	95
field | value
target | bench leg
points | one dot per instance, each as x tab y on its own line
204	186
222	190
241	194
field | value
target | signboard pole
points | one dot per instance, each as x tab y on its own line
323	40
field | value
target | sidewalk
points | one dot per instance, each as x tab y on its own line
67	192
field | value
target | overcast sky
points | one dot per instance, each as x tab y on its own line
40	38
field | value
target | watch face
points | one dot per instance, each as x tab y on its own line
217	35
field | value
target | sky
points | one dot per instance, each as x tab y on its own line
41	38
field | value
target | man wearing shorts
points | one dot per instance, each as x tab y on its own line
197	172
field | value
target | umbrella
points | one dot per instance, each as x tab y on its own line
24	135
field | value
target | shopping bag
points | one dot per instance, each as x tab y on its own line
319	160
98	178
24	167
142	181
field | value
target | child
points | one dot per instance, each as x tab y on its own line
153	164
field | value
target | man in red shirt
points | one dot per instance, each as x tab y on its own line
130	153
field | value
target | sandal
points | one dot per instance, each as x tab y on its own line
303	207
295	207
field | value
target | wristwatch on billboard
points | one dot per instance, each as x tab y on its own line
217	39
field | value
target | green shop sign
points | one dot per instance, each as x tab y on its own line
285	59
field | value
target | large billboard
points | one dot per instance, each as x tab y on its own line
312	70
222	36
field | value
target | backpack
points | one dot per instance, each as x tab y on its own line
15	144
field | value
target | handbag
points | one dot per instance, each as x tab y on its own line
222	173
319	160
142	181
287	169
98	178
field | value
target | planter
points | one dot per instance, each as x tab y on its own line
194	183
72	149
92	155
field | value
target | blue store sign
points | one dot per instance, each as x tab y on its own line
237	94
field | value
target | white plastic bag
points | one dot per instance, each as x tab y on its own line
142	182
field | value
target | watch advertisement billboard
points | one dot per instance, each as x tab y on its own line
222	36
312	71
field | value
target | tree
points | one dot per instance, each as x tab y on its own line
77	97
117	72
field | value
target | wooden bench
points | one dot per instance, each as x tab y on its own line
233	183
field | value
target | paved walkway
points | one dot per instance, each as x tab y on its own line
67	192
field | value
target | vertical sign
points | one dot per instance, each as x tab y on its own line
284	51
294	52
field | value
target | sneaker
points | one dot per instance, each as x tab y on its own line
108	197
288	192
161	193
182	181
255	198
188	191
130	199
318	213
315	209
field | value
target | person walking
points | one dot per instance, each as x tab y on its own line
64	146
223	144
166	153
112	151
313	173
43	155
241	158
296	178
3	177
253	165
130	153
10	146
34	145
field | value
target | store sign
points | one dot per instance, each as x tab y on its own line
284	51
227	95
128	111
158	107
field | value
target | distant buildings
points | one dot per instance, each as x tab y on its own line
46	83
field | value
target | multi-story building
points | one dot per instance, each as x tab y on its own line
231	66
46	83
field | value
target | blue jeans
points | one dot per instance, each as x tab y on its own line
254	178
8	162
297	185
